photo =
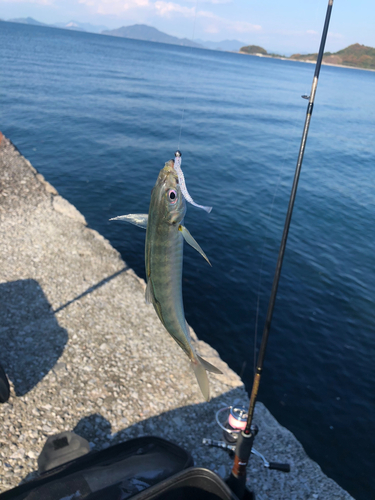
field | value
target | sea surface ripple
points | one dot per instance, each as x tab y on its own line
98	116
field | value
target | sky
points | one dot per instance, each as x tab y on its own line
282	26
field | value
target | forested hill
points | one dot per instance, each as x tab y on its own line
356	55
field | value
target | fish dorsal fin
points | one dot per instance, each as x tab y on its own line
139	220
189	239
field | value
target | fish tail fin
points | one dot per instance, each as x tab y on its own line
209	367
202	378
200	366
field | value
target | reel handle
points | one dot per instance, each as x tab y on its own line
278	466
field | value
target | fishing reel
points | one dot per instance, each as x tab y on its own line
235	422
232	426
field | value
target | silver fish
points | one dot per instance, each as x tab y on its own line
165	236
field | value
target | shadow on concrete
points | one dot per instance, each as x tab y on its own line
185	426
31	340
92	288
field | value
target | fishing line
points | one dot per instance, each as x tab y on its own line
268	219
237	479
177	160
182	119
317	16
186	90
260	274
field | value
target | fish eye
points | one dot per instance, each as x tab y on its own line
172	195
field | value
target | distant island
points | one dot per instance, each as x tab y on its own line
150	34
26	20
135	32
254	50
355	56
72	25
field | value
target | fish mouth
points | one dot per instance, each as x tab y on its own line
168	176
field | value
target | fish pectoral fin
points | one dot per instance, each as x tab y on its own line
189	239
207	366
139	220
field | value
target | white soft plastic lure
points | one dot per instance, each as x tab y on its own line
181	181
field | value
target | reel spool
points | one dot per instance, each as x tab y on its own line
236	419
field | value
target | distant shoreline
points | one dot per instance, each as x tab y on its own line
304	61
33	22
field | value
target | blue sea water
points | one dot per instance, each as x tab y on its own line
98	116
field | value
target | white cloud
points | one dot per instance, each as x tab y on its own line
39	2
168	9
330	35
335	35
214	2
215	24
114	7
210	22
243	27
218	24
167	15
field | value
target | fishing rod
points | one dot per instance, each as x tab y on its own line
237	478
